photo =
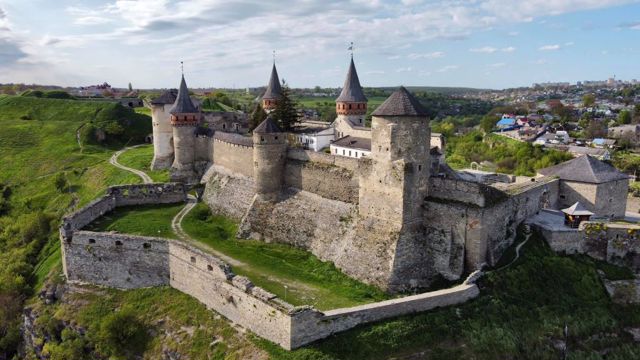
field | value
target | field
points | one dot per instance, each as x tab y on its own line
147	220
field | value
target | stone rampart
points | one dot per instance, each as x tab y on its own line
84	216
322	158
129	262
143	194
228	193
236	156
327	180
464	191
616	243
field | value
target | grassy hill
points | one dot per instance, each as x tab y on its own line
46	173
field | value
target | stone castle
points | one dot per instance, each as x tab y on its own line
393	215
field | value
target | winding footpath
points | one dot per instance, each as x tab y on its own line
176	222
114	161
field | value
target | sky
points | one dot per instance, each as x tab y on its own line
230	43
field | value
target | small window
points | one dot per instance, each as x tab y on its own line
419	167
349	152
92	241
224	126
342	151
349	106
562	197
146	246
262	138
193	259
335	151
118	243
209	267
276	137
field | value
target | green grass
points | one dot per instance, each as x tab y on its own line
143	110
148	220
140	158
521	311
177	323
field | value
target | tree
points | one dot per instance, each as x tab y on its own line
596	129
130	87
257	116
285	112
487	123
624	117
588	100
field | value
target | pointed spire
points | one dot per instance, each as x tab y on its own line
352	91
401	103
274	90
183	104
268	126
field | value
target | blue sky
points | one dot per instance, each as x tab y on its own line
475	43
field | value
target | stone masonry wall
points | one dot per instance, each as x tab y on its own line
329	181
82	217
234	157
143	194
228	193
320	157
128	262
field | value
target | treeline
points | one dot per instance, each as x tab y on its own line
500	154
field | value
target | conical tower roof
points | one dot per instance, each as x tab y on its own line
183	104
268	126
352	91
274	90
401	103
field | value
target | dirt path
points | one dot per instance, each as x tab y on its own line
114	161
176	226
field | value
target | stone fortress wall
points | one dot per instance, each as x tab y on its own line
129	262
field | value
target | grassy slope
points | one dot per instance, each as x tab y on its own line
140	158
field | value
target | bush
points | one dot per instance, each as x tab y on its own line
57	94
121	334
60	182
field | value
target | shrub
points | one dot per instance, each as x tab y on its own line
121	334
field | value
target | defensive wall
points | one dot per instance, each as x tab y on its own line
129	262
234	152
471	224
616	243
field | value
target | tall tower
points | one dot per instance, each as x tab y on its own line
185	117
396	181
351	105
273	92
269	151
162	129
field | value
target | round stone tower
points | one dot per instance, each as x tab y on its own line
162	129
273	92
185	118
351	105
269	152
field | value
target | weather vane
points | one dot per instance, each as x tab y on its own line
182	67
351	49
274	56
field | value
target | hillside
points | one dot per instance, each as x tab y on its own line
45	173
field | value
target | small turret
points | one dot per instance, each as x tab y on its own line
269	152
273	92
351	100
185	118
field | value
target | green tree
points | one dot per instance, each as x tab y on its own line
588	100
487	123
257	116
121	334
596	129
286	111
130	87
624	117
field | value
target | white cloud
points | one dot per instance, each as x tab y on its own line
508	49
393	57
374	72
432	55
448	68
570	43
549	47
485	49
498	65
404	69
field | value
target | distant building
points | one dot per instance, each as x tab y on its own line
351	146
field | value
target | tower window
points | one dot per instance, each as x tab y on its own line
276	138
261	138
419	167
349	106
224	126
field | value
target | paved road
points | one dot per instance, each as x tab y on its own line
114	161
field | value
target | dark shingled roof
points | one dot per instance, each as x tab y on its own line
353	142
274	90
267	126
352	91
585	169
167	97
183	104
203	131
401	103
